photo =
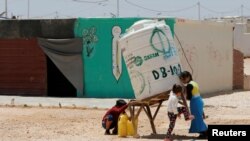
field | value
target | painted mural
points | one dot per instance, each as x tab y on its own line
105	74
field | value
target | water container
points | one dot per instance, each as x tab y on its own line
151	58
130	127
122	125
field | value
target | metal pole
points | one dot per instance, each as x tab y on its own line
118	9
199	11
241	12
28	14
6	9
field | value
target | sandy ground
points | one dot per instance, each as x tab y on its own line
82	124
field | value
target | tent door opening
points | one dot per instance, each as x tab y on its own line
57	84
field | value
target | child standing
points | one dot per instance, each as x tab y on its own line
196	105
174	111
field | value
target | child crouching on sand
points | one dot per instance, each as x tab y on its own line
174	111
110	119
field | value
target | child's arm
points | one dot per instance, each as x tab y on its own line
175	106
189	91
120	110
184	102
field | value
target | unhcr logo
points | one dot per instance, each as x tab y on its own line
138	61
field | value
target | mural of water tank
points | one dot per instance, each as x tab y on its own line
151	58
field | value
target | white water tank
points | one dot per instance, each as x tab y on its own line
151	58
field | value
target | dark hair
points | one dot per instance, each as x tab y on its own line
177	88
120	103
185	74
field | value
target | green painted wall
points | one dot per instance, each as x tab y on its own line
99	81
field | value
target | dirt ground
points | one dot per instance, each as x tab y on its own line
81	124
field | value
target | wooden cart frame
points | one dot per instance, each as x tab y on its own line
145	105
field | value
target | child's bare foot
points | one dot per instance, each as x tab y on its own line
167	139
107	132
191	117
115	131
205	116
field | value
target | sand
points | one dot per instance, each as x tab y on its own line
81	124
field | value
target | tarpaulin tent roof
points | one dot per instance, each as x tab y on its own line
66	54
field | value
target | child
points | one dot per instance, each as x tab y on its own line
174	111
196	105
110	119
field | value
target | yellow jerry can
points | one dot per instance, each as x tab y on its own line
130	128
122	125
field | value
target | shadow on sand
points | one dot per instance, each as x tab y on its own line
209	95
175	137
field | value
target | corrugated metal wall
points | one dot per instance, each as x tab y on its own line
23	65
238	69
22	68
51	28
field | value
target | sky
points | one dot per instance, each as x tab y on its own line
39	9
